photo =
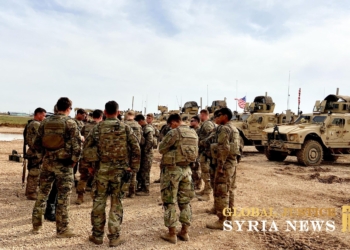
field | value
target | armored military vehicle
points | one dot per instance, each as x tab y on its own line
217	104
325	137
258	116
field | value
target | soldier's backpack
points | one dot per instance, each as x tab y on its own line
112	142
55	133
234	143
187	150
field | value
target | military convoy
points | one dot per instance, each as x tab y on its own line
323	135
258	116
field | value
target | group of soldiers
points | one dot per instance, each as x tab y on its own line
116	156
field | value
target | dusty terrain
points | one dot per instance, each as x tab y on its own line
260	183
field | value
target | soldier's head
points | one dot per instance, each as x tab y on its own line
141	120
39	114
223	116
149	118
204	115
81	115
130	115
97	115
174	120
111	109
194	122
64	105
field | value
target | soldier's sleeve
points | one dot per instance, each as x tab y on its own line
223	145
135	151
139	137
90	140
168	141
37	145
206	129
75	138
32	132
149	139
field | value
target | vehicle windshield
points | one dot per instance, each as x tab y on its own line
244	117
318	119
303	119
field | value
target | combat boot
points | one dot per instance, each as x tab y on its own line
145	192
198	185
204	197
32	196
219	224
183	234
66	234
116	242
211	210
50	212
36	229
200	192
131	191
171	236
95	240
80	199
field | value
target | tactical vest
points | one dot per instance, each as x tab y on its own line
112	141
88	127
55	137
234	142
136	128
186	148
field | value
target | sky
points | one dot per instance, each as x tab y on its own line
169	52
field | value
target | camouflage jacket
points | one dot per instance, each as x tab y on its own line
32	131
80	124
132	157
87	128
72	133
227	134
148	132
204	131
136	128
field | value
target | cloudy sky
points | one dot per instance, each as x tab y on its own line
169	52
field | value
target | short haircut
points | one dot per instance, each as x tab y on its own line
55	110
139	117
98	113
150	114
39	110
226	111
111	107
216	112
63	104
195	118
81	111
204	111
173	118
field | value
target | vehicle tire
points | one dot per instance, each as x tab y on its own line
261	149
274	155
310	154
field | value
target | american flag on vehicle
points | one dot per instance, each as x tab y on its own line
241	102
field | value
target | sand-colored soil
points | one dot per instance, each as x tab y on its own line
260	183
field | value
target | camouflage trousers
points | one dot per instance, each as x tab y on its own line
196	174
32	178
143	176
107	181
176	186
63	174
225	188
86	171
205	168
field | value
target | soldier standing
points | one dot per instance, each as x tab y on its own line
149	120
179	149
143	176
33	158
86	168
118	152
195	167
228	145
206	128
60	141
129	120
80	117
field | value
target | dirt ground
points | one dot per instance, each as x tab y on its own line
260	184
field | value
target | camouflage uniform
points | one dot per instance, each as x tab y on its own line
86	169
224	183
143	176
57	165
205	130
138	132
196	170
176	182
33	160
80	125
118	149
